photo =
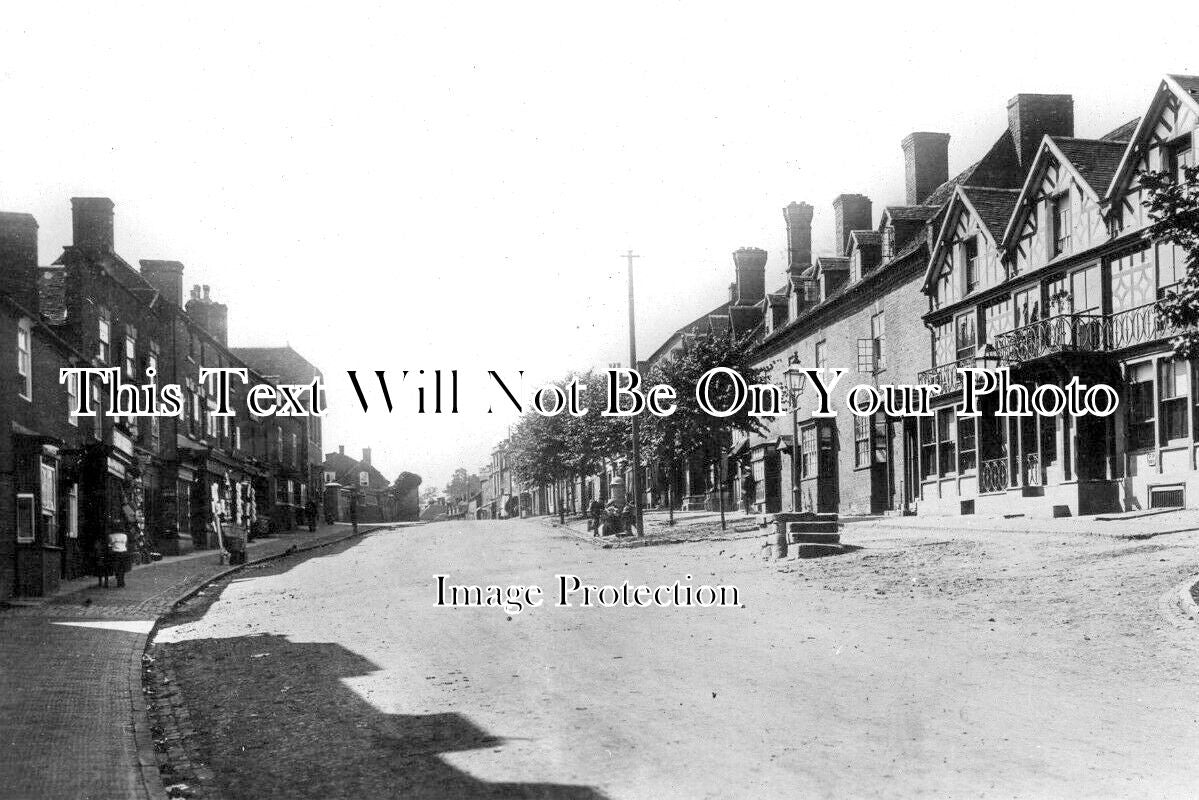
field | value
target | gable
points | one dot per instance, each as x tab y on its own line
950	277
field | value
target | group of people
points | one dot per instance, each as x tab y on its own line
613	518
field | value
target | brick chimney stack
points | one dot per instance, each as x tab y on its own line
750	263
209	314
926	164
1031	116
851	212
18	259
166	277
341	449
366	456
798	217
91	223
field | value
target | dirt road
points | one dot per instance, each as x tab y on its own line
932	664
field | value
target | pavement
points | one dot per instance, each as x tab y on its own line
71	697
945	663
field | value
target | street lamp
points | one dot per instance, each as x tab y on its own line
796	380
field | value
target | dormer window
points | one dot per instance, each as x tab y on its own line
1062	224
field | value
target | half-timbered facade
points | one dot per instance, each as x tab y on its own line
1059	282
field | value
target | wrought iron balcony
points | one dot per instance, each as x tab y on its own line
1083	333
993	476
946	375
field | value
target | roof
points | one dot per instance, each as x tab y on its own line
867	237
283	363
993	206
832	262
1124	132
1182	86
921	213
1188	83
1096	160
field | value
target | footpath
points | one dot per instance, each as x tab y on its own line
73	715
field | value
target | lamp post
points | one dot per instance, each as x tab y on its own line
796	379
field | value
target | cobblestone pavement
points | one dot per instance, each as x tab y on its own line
70	691
950	663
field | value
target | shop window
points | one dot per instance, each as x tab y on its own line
946	441
1141	417
861	441
49	487
967	444
928	448
25	357
1173	411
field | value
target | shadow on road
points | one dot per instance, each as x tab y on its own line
274	718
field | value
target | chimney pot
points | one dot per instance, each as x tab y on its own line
750	265
206	291
926	164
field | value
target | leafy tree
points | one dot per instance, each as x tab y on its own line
537	451
690	430
1174	208
463	485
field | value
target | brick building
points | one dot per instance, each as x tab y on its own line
354	486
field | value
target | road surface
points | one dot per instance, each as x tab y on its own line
954	664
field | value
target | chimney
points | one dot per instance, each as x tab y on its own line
799	236
851	212
341	449
209	315
926	164
18	259
91	221
166	277
366	456
750	263
1031	116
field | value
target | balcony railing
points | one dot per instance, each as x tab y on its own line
946	376
1032	470
993	476
1083	333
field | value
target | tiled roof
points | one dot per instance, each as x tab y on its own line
867	237
994	206
911	213
1124	132
832	262
1189	84
1096	159
776	299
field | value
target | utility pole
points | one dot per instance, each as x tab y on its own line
636	471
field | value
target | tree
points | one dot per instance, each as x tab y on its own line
1173	206
537	452
690	430
463	485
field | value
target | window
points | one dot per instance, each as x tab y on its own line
1028	306
1140	406
947	440
821	354
1062	224
1173	415
861	441
970	263
72	512
1179	156
880	438
1085	292
281	492
295	451
183	511
26	521
25	357
1132	280
878	332
72	399
943	344
1171	266
131	352
236	437
103	337
965	334
279	444
967	444
807	451
98	405
49	487
928	448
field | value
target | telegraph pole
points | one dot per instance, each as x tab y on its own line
636	471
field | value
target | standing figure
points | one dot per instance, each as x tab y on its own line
749	488
310	512
118	550
594	512
103	562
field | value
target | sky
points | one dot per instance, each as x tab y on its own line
404	187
